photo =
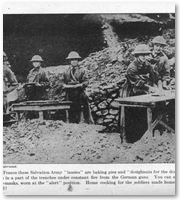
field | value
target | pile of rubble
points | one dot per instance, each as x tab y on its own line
19	136
57	142
23	136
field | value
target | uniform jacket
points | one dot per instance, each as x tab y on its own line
9	78
79	76
161	66
37	75
78	95
138	75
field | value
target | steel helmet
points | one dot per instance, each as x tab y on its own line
73	55
159	40
36	58
4	54
5	58
142	49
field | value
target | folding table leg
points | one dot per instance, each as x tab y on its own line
149	121
166	126
18	117
122	124
41	115
67	116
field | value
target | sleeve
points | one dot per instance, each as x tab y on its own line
11	77
165	72
84	78
152	74
28	76
134	78
64	78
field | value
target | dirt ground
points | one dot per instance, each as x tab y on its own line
35	142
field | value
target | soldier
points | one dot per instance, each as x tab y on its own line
162	69
140	80
160	63
140	75
9	82
76	77
37	80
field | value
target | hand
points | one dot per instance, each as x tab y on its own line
78	85
64	86
154	90
166	87
161	92
38	84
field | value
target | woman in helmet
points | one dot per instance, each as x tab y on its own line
160	63
76	77
140	75
140	80
162	71
38	76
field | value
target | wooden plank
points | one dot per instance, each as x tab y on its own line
39	108
67	116
156	121
166	126
40	105
129	104
122	124
149	121
18	116
146	100
153	125
45	102
41	117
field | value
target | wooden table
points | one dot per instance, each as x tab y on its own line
149	101
41	106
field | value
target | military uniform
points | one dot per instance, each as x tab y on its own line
77	95
37	75
161	67
138	75
162	72
9	84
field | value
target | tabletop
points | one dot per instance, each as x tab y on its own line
42	103
147	100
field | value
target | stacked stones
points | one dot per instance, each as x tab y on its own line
104	107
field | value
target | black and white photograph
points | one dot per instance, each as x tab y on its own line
89	88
